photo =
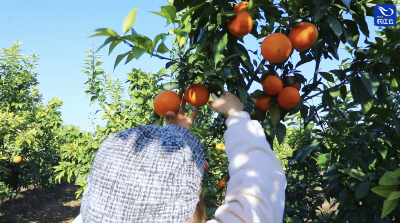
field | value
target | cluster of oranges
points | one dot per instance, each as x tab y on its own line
196	95
288	94
276	47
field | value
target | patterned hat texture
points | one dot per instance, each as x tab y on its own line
145	174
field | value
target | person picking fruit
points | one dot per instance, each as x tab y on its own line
154	173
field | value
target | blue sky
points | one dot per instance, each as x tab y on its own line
57	31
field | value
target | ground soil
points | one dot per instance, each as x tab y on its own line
38	205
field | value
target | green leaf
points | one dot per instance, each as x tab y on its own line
129	21
382	149
396	173
119	58
280	132
359	91
168	12
242	93
190	11
351	32
130	57
371	82
343	92
228	13
104	32
388	207
335	25
137	52
323	160
170	86
162	48
219	45
367	105
275	115
394	195
156	40
107	41
388	180
343	195
327	76
383	191
393	83
320	9
113	45
301	156
362	190
355	173
362	24
334	91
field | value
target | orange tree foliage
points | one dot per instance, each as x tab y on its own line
352	154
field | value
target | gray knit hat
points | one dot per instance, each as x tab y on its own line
145	174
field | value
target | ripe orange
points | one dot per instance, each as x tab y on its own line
262	103
289	98
17	159
241	7
296	85
276	48
221	184
303	36
206	165
272	85
166	101
241	25
71	144
197	95
223	163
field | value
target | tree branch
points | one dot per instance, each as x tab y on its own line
254	74
156	55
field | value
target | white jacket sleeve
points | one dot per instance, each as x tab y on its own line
256	190
78	219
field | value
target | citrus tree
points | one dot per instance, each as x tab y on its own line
338	159
28	146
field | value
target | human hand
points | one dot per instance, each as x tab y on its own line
180	118
227	104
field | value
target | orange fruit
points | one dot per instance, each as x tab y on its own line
17	159
218	146
296	85
166	101
241	7
222	147
303	36
197	95
276	48
241	25
70	145
262	103
221	184
223	163
218	158
272	85
206	165
289	98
